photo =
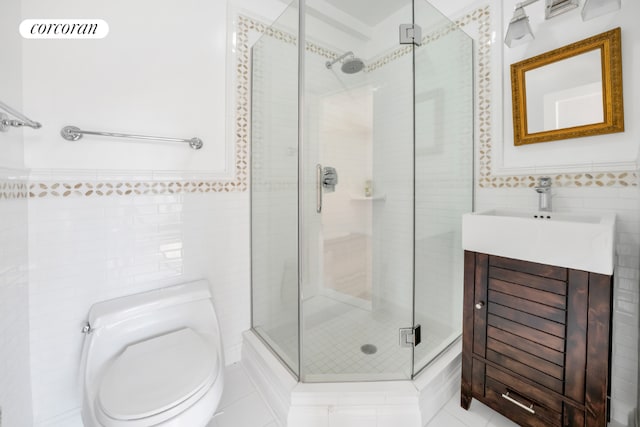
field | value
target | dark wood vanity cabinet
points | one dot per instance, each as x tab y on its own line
536	341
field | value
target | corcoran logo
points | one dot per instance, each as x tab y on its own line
64	29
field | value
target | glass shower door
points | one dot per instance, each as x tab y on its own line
274	188
357	202
444	177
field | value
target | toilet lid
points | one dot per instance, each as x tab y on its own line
155	375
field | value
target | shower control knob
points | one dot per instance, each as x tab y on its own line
479	305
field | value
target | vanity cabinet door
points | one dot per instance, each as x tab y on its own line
525	333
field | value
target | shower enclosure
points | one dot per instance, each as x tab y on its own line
361	166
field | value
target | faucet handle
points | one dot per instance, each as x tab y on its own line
544	181
329	179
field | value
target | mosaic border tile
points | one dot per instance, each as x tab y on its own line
12	189
139	188
485	179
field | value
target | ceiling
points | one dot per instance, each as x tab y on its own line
369	12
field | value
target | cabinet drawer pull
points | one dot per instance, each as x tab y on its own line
479	305
515	402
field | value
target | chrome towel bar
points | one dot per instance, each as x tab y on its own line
72	133
22	120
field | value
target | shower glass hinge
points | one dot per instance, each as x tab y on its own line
410	337
410	34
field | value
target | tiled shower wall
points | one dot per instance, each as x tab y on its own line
86	249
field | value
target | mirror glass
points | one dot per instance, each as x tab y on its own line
565	94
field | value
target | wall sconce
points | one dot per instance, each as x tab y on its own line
519	30
595	8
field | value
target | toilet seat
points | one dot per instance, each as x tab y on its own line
156	379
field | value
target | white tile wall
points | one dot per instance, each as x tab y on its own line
15	390
15	384
625	202
84	250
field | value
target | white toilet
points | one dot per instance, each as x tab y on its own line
153	359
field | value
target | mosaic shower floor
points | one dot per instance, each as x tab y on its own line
335	333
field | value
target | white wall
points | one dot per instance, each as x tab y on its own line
160	71
583	154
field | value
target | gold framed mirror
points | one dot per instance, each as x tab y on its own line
570	92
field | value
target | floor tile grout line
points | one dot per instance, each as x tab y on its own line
260	395
253	389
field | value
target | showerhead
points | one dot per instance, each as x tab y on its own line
352	66
349	66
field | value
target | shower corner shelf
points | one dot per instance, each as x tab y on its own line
374	197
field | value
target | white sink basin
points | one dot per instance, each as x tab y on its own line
579	241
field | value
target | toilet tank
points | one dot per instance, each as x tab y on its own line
117	323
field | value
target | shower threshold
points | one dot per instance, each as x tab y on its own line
410	403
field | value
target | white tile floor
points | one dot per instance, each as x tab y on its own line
242	406
478	415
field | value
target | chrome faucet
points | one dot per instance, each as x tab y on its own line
544	193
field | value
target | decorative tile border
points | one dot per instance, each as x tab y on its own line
140	188
483	101
599	179
239	183
13	189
